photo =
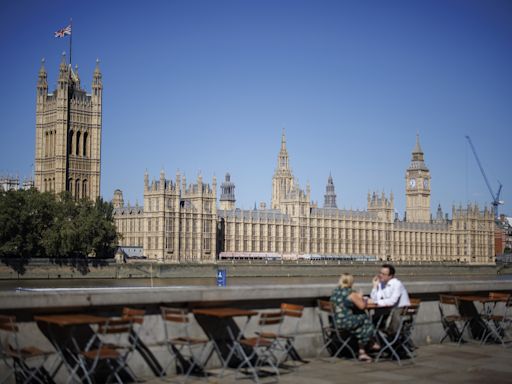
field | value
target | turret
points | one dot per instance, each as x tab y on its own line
330	194
42	83
227	197
118	201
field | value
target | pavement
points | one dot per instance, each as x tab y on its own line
435	363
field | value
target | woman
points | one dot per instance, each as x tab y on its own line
350	316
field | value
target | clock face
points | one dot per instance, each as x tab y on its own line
425	183
412	183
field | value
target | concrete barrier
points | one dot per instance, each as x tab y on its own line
26	303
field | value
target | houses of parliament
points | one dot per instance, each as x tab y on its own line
187	222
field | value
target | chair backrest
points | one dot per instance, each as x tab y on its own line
324	306
10	341
8	323
115	326
270	318
447	300
174	315
136	315
325	314
415	301
292	310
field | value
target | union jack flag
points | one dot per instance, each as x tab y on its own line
64	31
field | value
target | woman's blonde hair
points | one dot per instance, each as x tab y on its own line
346	280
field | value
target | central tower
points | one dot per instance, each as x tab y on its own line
282	181
417	187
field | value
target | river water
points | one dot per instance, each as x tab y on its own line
7	285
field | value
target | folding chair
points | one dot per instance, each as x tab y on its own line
260	351
26	363
334	340
396	337
181	346
498	320
101	350
294	313
450	318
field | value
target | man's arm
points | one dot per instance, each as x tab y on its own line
393	298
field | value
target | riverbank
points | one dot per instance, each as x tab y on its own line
145	270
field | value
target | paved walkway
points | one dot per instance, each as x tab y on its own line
447	363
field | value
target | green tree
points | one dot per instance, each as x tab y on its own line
34	225
81	229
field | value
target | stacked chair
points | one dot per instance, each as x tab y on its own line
454	324
499	319
259	352
189	353
25	363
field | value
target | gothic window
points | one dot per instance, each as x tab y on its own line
46	144
77	143
70	142
84	188
77	189
84	152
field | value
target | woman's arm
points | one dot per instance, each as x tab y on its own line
358	300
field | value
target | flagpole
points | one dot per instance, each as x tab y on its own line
70	39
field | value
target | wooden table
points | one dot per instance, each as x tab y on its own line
467	307
219	325
69	334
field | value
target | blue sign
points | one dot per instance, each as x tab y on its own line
221	277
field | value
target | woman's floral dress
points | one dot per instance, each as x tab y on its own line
350	318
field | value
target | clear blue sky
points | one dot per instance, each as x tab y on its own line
207	86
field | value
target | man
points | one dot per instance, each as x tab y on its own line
387	290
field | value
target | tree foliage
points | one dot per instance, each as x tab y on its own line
34	225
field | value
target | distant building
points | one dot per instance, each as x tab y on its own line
12	183
68	134
181	223
503	242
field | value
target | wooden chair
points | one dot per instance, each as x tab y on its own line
259	351
25	363
113	343
334	340
396	338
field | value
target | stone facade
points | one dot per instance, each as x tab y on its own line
181	223
68	134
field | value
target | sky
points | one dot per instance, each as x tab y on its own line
206	87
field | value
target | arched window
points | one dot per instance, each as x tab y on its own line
77	189
69	187
84	189
45	145
70	142
50	144
45	188
77	143
84	152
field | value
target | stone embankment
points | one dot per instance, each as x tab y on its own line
145	269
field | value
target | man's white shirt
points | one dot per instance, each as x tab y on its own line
393	293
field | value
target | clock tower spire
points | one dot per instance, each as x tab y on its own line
417	187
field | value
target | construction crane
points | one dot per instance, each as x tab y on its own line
495	197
